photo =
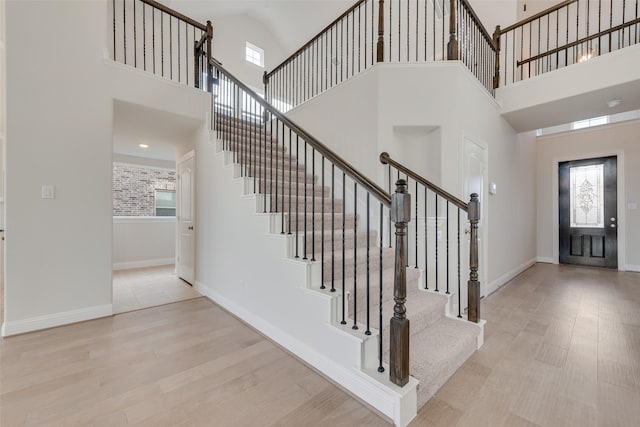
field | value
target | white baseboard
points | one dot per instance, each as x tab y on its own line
545	259
58	319
387	401
502	280
631	267
143	264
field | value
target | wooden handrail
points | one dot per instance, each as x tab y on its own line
175	14
577	42
314	38
325	151
537	16
385	159
477	21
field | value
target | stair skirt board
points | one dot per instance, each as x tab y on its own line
439	344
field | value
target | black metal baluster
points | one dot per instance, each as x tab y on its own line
263	165
297	195
304	247
416	225
436	241
313	203
115	58
425	29
153	39
368	331
380	367
124	29
447	224
254	144
426	235
359	43
135	37
389	176
282	152
390	31
271	204
333	225
433	25
342	50
417	16
344	292
355	258
331	60
162	42
144	36
322	241
459	280
290	163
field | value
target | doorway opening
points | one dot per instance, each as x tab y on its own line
147	200
588	212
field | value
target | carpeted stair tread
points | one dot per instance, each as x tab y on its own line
438	351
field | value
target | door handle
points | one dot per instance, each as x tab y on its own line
467	231
612	226
190	228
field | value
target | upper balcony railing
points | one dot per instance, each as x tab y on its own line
409	31
393	31
154	38
568	33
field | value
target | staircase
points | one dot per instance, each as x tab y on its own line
439	344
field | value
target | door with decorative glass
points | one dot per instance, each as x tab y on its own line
588	212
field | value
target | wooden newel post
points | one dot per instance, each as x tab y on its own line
496	42
452	46
473	286
399	348
209	56
380	46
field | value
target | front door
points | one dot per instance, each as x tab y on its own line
588	215
186	221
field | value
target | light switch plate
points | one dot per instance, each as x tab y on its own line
48	192
493	188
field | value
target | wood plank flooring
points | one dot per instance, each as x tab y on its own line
148	287
562	349
183	364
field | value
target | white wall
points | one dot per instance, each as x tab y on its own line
495	12
447	97
58	133
616	139
143	242
580	91
230	35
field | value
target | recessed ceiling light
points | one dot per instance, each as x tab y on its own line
614	103
143	146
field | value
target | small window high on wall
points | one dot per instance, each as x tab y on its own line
254	54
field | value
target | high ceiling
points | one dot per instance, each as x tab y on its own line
293	22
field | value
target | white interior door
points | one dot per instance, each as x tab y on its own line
186	220
475	171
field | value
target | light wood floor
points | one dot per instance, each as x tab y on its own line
148	287
562	349
183	364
